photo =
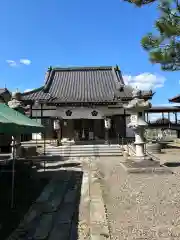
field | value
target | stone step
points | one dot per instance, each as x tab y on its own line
82	149
88	154
74	154
85	146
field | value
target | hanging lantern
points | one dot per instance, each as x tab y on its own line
56	124
107	123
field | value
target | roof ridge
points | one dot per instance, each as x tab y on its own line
78	68
32	91
51	71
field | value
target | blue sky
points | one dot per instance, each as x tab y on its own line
64	32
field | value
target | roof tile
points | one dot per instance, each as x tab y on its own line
81	84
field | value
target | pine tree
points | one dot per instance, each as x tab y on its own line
164	45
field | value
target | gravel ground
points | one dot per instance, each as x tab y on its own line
140	206
171	157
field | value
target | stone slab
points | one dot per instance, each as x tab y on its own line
65	214
44	227
83	225
46	192
147	163
135	168
60	231
70	196
98	220
57	198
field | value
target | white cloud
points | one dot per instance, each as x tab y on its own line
28	90
11	63
154	116
25	61
145	81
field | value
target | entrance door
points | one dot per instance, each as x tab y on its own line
83	127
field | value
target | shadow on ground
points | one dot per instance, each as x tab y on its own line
172	164
168	146
64	199
26	190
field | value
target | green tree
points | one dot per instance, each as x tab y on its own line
163	46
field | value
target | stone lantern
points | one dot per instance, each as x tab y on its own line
140	162
136	107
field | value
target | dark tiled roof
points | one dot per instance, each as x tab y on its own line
36	94
161	109
175	99
81	84
88	84
3	90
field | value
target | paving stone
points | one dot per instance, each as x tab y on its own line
70	196
60	231
65	213
98	221
46	192
44	227
84	208
58	195
74	234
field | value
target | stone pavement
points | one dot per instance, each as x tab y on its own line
99	200
70	207
140	206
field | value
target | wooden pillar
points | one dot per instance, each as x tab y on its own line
169	116
124	123
41	115
147	116
41	110
176	117
31	111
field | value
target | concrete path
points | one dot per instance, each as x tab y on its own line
71	207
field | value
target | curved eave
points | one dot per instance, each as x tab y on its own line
32	91
163	109
175	99
80	103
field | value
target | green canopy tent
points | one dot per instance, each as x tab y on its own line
15	123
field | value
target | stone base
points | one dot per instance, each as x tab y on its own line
144	165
